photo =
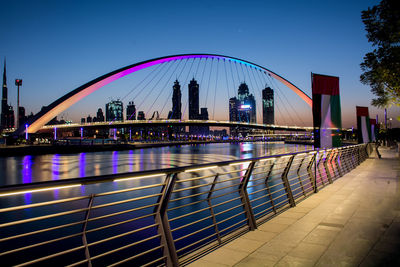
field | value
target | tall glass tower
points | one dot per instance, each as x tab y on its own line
268	106
176	101
193	100
114	111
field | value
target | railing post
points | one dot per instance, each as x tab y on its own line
328	173
345	160
161	219
267	186
317	170
339	157
286	182
245	197
84	239
310	173
212	210
354	156
298	175
333	162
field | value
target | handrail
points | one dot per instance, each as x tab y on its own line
173	217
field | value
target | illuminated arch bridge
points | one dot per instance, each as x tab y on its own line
155	123
64	102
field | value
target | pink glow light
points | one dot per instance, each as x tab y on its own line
36	125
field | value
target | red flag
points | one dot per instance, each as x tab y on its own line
362	111
325	85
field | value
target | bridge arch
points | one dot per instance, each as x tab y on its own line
64	102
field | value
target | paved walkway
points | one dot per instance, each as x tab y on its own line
354	221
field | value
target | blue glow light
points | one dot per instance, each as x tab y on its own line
245	107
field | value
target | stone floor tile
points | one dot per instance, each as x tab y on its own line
389	245
321	236
251	261
273	227
290	261
335	219
379	258
308	251
202	263
258	235
283	220
292	214
274	250
270	256
302	209
225	256
291	236
244	245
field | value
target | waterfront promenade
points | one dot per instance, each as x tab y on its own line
353	222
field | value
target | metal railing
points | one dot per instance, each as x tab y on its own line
168	217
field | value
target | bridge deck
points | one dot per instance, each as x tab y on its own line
355	221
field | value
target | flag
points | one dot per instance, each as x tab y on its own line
374	129
363	125
327	115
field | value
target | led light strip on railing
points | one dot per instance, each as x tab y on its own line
202	169
39	190
240	163
262	160
139	177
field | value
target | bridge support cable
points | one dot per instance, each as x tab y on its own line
237	73
215	90
140	83
153	89
149	82
226	78
209	80
160	91
170	91
288	102
233	79
256	87
187	82
168	81
202	75
278	93
276	107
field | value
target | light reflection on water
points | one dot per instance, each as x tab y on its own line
27	169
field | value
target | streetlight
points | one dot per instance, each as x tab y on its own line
18	83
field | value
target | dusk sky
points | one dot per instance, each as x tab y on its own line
56	46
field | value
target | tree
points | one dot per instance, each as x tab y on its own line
381	67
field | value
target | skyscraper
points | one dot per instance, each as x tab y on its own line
242	108
268	106
246	105
193	105
114	111
193	100
131	111
7	112
233	109
204	130
176	101
141	116
100	115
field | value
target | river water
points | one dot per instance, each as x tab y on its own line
28	169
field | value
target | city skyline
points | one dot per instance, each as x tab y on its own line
47	74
